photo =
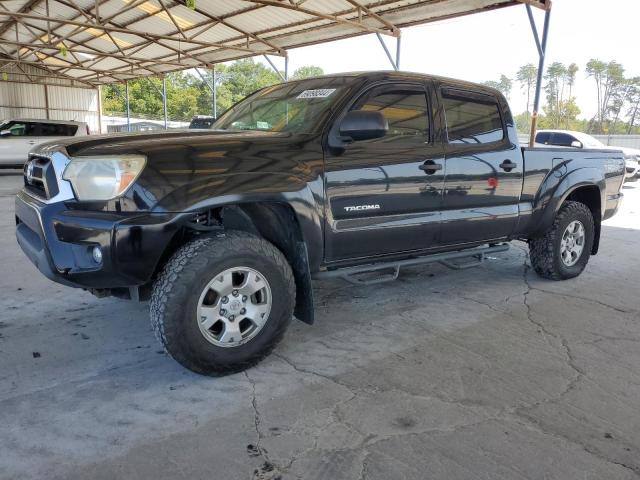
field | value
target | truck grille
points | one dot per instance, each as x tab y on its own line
40	177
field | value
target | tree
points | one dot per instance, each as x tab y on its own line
504	85
526	77
240	79
610	82
556	78
572	70
187	93
306	72
633	98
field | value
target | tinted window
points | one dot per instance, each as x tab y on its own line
298	106
201	122
561	139
36	129
405	110
543	137
473	119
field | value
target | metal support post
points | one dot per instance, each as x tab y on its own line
214	92
99	91
542	50
274	67
286	68
398	39
164	100
386	50
126	99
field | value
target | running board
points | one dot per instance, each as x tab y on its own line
471	258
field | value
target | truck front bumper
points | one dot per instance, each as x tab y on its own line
60	243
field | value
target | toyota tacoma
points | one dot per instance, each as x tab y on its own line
345	175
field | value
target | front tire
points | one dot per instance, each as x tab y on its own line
564	250
222	303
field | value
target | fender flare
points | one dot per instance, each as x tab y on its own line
553	194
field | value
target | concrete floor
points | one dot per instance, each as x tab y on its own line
489	373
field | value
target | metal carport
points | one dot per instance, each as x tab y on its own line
94	42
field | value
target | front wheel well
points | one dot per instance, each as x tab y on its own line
275	222
589	195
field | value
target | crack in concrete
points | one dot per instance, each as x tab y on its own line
268	467
571	361
592	300
580	373
634	469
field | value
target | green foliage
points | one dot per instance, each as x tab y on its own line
187	94
526	77
241	78
145	97
617	97
306	72
504	85
611	93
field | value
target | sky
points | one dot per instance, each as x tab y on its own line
481	47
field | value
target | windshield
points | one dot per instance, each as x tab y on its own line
297	107
589	141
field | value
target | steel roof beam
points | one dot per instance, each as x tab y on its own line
324	16
237	29
110	28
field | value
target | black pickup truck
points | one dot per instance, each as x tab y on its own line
341	175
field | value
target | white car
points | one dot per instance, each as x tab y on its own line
569	139
18	136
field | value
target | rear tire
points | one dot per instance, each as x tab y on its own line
209	276
559	254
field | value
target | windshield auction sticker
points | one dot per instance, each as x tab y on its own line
318	93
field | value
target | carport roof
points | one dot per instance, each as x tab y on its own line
94	42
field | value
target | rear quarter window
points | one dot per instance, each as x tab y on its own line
561	139
54	130
472	118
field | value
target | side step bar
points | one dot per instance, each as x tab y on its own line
473	257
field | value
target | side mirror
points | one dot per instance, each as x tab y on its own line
5	133
576	144
363	125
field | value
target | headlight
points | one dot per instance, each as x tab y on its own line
103	178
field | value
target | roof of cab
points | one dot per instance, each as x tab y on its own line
44	120
402	75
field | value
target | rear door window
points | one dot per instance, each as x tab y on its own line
561	139
472	118
55	129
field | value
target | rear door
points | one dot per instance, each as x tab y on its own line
384	195
483	178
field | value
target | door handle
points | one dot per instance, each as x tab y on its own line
430	167
508	165
31	142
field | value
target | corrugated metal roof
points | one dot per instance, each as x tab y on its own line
101	41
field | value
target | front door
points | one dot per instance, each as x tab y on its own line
384	195
483	166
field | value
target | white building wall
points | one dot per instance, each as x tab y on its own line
28	100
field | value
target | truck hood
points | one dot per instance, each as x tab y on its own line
148	142
185	168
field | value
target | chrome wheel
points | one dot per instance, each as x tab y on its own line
572	243
234	306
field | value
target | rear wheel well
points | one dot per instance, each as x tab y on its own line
589	195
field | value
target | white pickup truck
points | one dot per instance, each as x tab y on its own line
571	139
18	136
